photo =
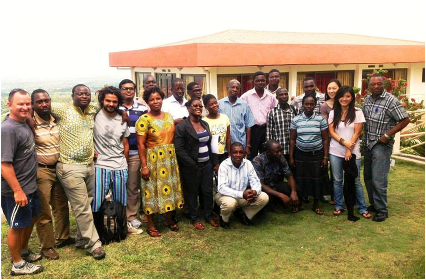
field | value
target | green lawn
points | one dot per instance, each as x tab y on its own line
302	245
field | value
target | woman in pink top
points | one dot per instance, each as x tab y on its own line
345	125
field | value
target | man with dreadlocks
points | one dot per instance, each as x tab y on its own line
112	148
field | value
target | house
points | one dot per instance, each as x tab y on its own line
215	59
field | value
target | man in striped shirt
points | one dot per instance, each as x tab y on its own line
134	110
234	176
309	87
51	192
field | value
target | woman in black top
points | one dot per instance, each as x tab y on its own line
196	162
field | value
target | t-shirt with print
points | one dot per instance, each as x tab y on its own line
346	132
18	148
108	138
218	127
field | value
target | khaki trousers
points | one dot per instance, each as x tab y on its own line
51	195
133	187
78	181
228	204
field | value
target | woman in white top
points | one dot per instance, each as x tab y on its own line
345	125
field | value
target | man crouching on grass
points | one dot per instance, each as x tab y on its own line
20	199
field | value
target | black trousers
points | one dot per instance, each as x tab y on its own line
284	188
258	137
199	185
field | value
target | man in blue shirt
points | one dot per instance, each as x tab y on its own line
239	114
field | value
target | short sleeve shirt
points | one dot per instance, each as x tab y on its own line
270	173
346	132
108	138
218	127
18	148
309	131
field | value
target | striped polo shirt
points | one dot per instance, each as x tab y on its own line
203	150
308	131
134	113
46	140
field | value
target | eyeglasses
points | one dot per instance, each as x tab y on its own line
197	106
127	88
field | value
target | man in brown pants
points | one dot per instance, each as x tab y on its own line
51	191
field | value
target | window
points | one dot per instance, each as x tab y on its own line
394	74
423	76
139	83
164	81
246	81
322	79
199	79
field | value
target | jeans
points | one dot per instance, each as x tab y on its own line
376	170
337	170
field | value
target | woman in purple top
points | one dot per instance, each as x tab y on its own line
345	126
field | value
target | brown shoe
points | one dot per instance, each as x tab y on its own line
50	254
213	223
98	253
198	225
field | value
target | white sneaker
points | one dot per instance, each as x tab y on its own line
133	230
136	223
26	268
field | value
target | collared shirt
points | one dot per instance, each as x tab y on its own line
309	131
297	102
76	133
172	106
240	118
46	140
381	115
134	113
278	126
274	93
260	106
271	172
233	181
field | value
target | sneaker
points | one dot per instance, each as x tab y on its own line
136	223
26	268
30	256
50	254
133	230
98	253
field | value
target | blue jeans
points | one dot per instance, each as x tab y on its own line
337	170
376	170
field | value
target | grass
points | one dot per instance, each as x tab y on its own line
302	245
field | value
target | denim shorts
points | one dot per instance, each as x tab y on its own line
21	217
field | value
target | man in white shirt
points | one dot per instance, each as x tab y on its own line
274	82
175	104
235	173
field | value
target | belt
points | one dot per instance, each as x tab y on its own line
262	125
47	166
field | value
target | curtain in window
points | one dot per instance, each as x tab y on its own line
400	74
346	78
300	78
222	83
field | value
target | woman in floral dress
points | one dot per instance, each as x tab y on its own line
161	187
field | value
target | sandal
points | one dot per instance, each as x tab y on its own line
153	232
337	212
366	215
172	227
318	211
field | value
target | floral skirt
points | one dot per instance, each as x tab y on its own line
163	191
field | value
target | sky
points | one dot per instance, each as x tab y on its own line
60	39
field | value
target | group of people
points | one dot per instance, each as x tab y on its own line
155	156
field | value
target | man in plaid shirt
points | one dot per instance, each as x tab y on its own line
384	117
279	119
